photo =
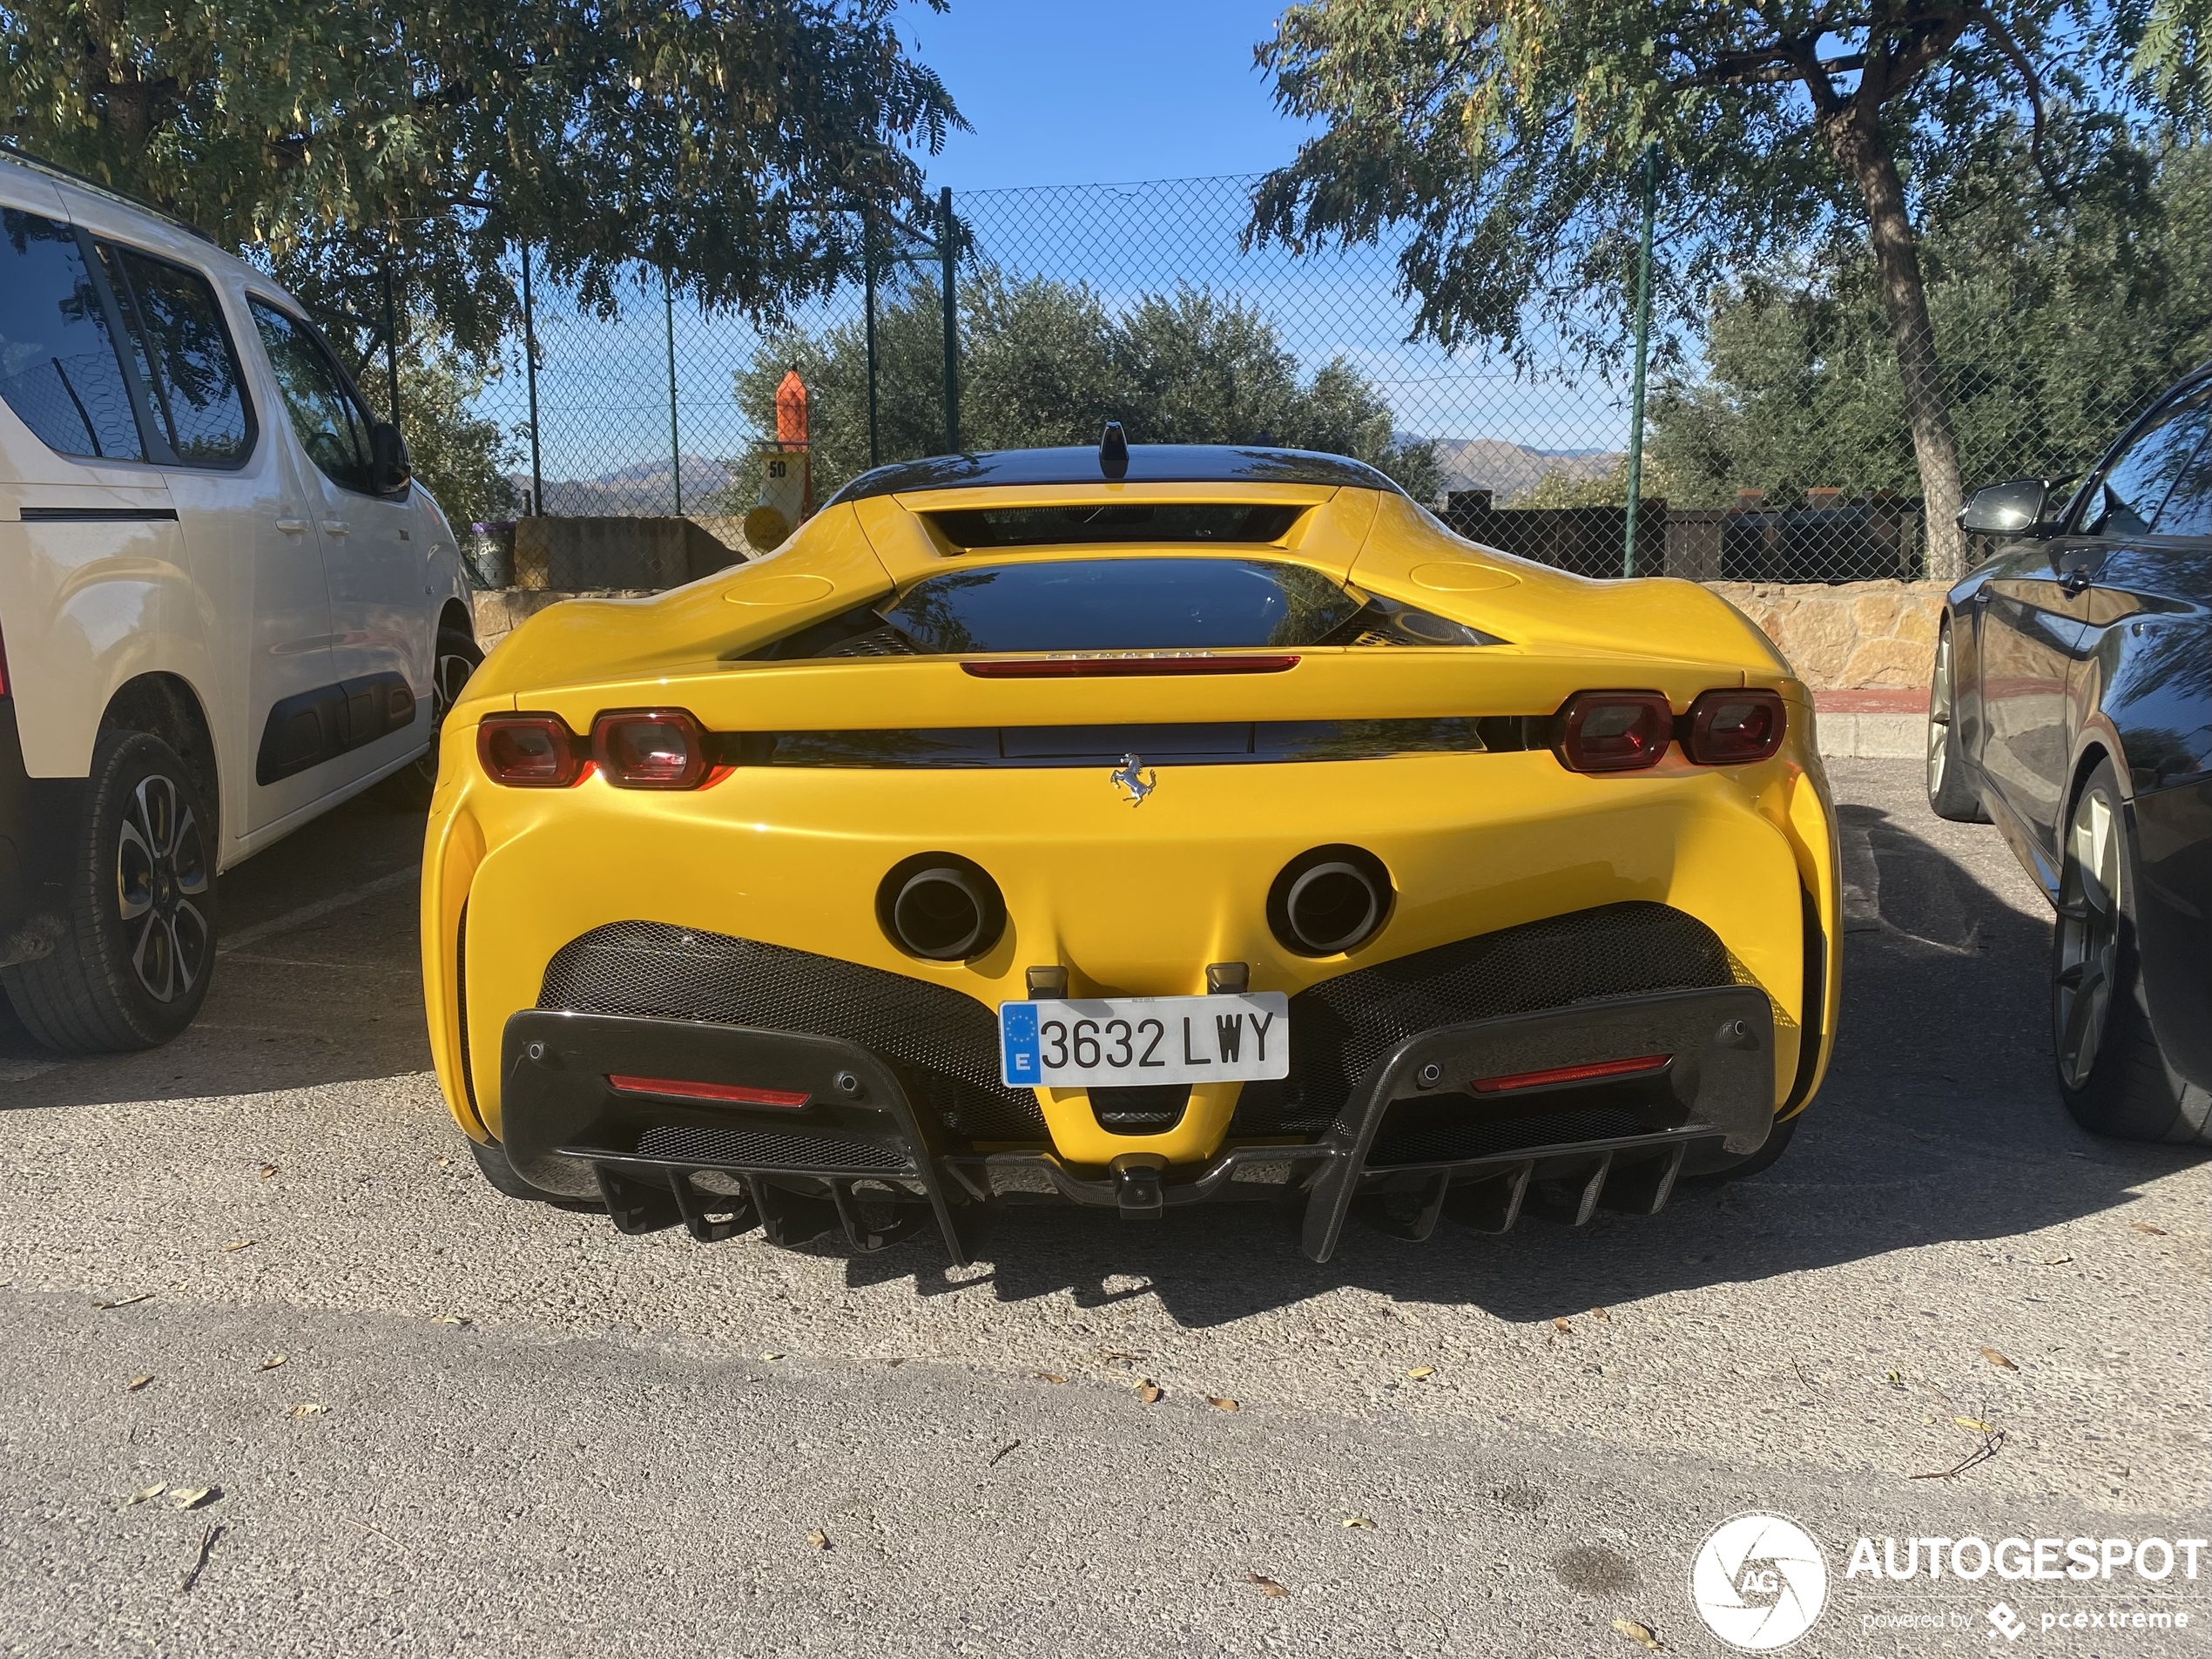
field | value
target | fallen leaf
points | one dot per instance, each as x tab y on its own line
1150	1391
311	1408
1997	1360
267	1170
1049	1376
2145	1227
1221	1404
193	1497
128	1301
819	1539
240	1243
270	1362
772	1355
1896	1380
1561	1326
1974	1425
1600	1316
1358	1523
1267	1585
1421	1373
136	1384
447	1318
148	1495
1641	1634
2056	1261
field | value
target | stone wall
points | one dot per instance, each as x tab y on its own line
1855	636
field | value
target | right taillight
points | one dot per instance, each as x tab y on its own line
529	751
1613	731
1733	728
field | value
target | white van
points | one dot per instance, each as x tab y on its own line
224	606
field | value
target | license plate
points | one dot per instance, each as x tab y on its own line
1125	1041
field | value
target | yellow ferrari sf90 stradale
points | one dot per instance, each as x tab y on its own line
1132	827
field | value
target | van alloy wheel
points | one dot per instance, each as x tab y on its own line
161	878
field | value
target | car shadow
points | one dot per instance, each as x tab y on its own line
1939	1122
318	979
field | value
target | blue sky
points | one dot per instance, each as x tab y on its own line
1064	93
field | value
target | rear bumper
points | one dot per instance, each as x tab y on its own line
831	1140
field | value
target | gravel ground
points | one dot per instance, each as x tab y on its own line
536	1435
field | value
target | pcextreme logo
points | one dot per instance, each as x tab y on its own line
1759	1582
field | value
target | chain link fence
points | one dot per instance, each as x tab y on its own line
1145	303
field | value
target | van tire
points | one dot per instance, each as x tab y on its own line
138	949
456	658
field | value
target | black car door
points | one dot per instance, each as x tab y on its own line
2042	617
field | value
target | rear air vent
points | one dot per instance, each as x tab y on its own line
1228	523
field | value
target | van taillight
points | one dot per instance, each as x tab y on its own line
1613	731
529	751
651	749
1733	728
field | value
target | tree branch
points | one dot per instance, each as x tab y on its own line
2006	43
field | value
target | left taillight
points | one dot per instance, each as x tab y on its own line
529	751
1613	731
651	749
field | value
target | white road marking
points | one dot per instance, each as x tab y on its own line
320	908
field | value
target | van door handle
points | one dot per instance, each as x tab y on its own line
291	526
335	526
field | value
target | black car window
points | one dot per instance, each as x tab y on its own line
184	351
58	367
332	426
2187	510
2126	500
1122	604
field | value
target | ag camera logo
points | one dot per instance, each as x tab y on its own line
1759	1582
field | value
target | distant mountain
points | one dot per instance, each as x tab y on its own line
1510	470
642	486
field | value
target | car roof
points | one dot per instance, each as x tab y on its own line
1148	463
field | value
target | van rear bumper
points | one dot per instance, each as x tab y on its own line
36	818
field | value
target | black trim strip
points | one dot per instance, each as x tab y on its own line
311	727
95	515
1196	743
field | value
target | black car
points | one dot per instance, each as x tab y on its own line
2072	704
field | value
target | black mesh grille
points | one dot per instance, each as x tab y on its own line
945	1043
1150	1109
1343	1026
752	1149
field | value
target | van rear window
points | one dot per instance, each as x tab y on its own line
1236	521
58	367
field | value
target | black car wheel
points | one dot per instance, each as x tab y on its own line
2111	1071
1951	791
132	968
457	659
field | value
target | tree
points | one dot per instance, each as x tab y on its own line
714	138
1044	362
2060	327
1507	136
460	456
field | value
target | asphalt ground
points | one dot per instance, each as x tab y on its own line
437	1421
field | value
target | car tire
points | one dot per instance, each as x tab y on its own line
1777	1143
1952	794
457	657
2112	1073
138	950
491	1159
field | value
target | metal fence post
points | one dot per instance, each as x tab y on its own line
529	369
675	441
391	343
948	260
1643	352
867	283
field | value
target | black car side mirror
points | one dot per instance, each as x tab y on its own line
389	466
2009	509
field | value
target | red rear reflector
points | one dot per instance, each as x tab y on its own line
1732	728
529	751
1054	668
1613	731
651	748
1572	1074
687	1088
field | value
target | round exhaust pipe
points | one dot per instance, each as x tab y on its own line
941	907
1329	900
